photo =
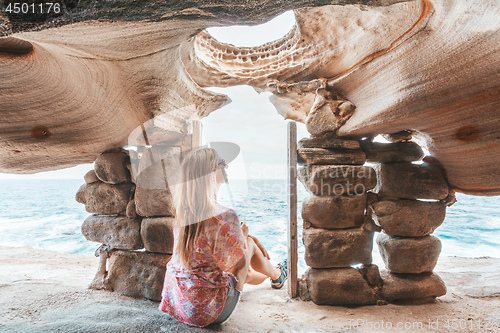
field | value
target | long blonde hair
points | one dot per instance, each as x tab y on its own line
195	199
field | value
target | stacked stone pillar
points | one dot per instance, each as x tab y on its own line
409	206
405	200
335	234
130	196
135	248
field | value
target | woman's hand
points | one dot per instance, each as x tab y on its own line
244	229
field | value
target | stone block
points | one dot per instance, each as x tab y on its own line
327	113
158	234
81	196
377	152
371	274
404	135
334	212
153	196
411	286
90	177
341	286
106	199
409	255
154	202
137	274
130	212
158	168
330	157
115	231
328	180
337	248
110	168
412	181
328	142
408	218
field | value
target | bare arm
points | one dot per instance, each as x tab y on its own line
240	271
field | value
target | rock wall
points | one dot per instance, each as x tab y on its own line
427	66
401	196
135	249
129	194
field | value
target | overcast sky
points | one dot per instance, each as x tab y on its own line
250	121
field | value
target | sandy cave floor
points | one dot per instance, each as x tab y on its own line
46	291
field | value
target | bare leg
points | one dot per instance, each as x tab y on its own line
260	264
256	268
254	277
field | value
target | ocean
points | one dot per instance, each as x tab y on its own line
44	214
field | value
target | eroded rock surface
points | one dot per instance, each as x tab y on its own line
328	180
328	142
115	231
377	152
412	181
154	202
137	274
334	212
158	234
102	198
328	156
110	168
402	66
409	218
340	286
337	248
411	286
409	255
90	177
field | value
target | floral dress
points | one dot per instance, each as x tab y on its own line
197	296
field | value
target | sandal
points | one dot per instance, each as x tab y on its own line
278	283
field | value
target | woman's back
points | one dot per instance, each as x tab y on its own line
196	295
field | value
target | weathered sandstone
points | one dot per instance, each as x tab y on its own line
90	177
328	142
110	168
412	181
158	234
130	211
328	113
327	180
411	286
342	286
115	231
156	174
137	274
102	198
334	212
154	202
409	218
337	248
409	255
377	152
328	156
402	66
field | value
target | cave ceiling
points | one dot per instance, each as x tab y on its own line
76	84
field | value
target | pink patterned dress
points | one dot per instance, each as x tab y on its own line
197	296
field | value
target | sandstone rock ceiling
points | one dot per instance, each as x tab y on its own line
73	86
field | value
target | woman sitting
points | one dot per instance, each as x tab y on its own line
213	254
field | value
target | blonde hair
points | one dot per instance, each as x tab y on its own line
195	199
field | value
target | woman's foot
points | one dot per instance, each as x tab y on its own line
279	282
